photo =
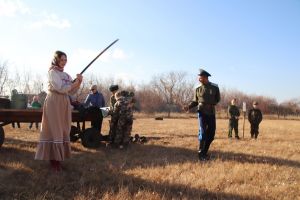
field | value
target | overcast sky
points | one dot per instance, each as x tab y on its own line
252	46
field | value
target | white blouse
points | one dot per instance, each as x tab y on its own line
60	82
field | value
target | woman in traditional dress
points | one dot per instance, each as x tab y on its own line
54	143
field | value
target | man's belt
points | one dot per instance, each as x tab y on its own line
206	105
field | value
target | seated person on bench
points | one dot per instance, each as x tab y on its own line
93	102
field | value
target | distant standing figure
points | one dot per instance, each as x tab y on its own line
35	105
54	144
207	95
234	114
94	101
254	117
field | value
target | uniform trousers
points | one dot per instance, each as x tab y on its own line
254	130
233	124
207	129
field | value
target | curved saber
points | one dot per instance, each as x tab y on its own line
98	56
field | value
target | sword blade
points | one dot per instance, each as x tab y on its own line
98	56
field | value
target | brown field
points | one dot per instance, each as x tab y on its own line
164	168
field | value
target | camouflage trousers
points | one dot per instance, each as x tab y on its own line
112	128
121	130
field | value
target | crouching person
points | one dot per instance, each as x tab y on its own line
122	119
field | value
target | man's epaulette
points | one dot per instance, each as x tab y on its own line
214	84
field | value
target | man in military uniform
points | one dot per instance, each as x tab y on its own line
113	89
114	118
207	95
254	117
234	114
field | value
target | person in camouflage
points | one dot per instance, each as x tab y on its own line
207	95
113	120
254	117
122	119
113	89
234	114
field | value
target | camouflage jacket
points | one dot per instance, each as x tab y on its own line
112	102
123	109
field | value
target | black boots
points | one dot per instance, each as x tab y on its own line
202	152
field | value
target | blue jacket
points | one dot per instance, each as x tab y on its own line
96	100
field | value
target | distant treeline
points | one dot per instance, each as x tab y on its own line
166	92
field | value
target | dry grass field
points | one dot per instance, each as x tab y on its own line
166	167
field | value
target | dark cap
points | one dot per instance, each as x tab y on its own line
202	72
113	88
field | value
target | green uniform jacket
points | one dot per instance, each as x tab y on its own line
206	97
233	112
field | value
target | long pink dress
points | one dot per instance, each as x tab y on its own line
54	143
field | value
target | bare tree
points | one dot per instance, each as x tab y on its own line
3	76
14	81
172	87
19	82
148	100
184	92
37	84
83	91
25	82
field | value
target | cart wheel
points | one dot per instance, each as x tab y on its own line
74	134
90	138
1	136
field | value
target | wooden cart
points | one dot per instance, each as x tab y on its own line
90	137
